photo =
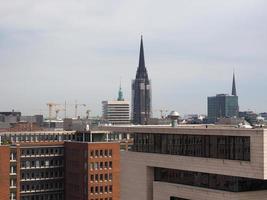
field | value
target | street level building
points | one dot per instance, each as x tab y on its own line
194	163
141	92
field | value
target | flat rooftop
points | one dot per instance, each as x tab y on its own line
201	129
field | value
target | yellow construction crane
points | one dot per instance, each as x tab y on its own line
162	112
76	108
57	111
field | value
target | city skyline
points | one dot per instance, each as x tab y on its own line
79	51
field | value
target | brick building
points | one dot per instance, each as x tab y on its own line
52	166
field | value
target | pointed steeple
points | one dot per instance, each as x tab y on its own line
141	71
234	86
120	94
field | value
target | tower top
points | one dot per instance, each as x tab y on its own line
234	86
141	71
120	94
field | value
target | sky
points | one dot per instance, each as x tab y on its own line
79	50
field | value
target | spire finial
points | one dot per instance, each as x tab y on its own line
120	94
141	71
234	85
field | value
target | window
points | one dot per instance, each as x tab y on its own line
110	153
106	152
92	177
211	181
208	146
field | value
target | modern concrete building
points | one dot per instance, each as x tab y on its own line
223	105
53	166
116	112
194	163
141	92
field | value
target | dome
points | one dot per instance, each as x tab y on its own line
174	114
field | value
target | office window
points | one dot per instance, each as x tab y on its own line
209	146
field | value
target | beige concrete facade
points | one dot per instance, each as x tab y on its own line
163	190
137	167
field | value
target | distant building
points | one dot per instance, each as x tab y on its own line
223	105
249	116
141	92
10	117
116	112
37	119
70	124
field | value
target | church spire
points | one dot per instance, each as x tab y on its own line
120	94
141	71
234	86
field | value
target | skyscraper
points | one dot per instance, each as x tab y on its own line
223	105
141	92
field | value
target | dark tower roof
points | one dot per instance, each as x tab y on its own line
234	86
141	71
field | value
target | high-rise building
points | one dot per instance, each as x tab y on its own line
117	112
141	92
223	105
193	163
54	166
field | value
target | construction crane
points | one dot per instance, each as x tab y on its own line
76	106
162	112
51	105
58	110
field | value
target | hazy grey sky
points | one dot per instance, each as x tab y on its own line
57	50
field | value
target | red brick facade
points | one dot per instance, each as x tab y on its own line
92	171
4	172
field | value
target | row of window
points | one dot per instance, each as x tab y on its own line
107	198
100	165
41	163
211	181
41	151
44	197
42	174
101	153
42	186
38	137
101	177
101	189
208	146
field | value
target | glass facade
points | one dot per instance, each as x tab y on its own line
211	181
207	146
221	106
